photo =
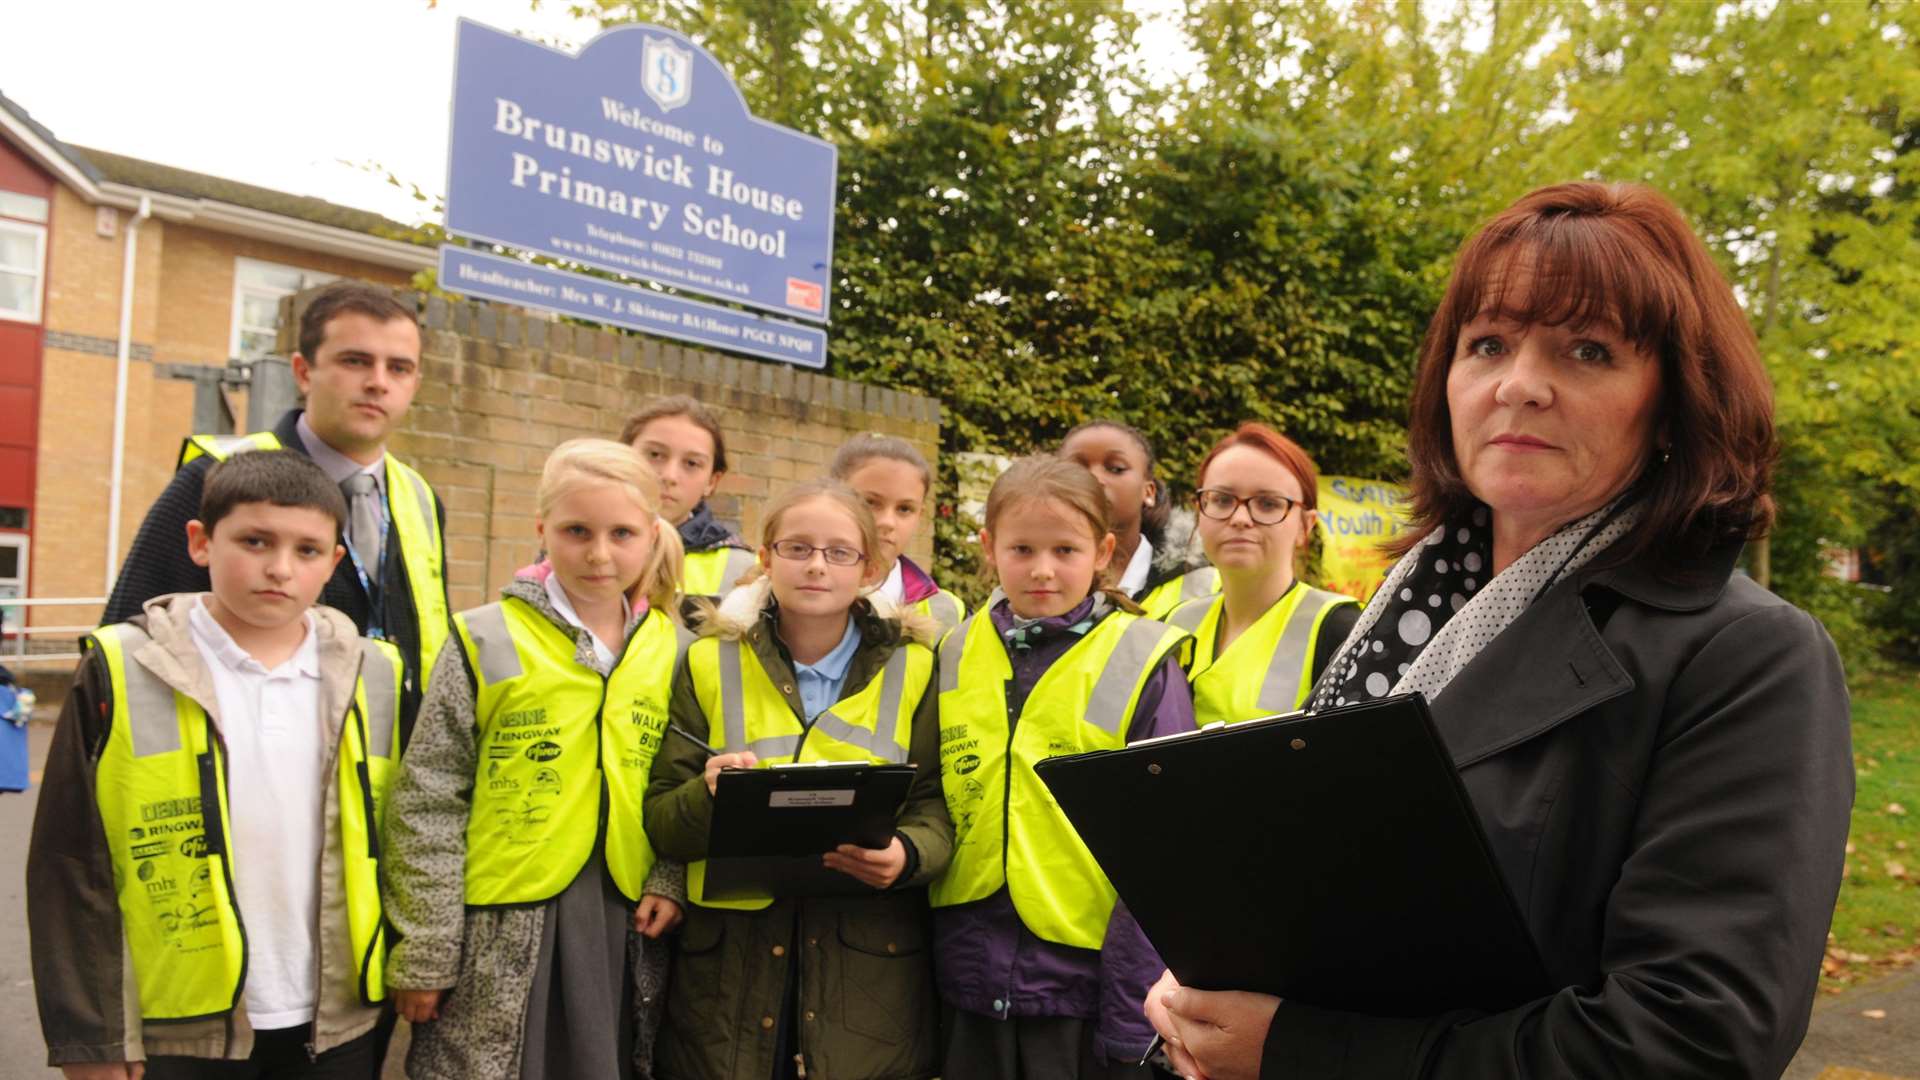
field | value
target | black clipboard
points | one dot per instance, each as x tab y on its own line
1330	858
771	826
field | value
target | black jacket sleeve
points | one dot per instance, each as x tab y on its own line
1714	929
85	990
157	563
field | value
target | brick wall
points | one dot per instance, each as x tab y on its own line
501	388
182	312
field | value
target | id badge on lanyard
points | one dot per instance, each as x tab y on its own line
376	628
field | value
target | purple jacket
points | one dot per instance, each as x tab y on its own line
985	958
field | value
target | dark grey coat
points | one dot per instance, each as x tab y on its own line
1665	774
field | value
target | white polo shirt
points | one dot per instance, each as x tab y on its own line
276	752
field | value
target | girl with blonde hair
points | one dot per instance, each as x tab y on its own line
519	873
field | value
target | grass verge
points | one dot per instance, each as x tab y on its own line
1876	924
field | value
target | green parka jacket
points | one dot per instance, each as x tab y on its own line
866	1006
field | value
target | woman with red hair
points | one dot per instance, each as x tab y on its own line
1657	748
1262	640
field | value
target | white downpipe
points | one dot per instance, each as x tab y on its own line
120	392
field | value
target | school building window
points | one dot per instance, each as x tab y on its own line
258	288
23	259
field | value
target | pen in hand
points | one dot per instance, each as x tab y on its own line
705	750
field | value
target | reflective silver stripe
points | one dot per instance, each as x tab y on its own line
421	494
378	676
880	741
944	609
152	718
952	647
1290	658
733	692
874	742
499	659
893	685
1190	615
222	447
1107	705
774	748
1195	584
738	563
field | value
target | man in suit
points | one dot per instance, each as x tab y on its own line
358	367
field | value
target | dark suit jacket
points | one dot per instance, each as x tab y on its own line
157	564
1665	775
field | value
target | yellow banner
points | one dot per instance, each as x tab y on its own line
1357	517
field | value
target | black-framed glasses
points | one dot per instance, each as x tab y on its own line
801	551
1265	508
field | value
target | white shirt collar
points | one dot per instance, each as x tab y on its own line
894	588
564	605
1138	567
304	661
337	465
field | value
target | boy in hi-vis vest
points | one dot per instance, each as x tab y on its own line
203	880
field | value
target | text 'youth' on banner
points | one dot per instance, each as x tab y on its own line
494	277
638	156
1357	518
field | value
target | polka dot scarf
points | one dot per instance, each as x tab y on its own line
1438	608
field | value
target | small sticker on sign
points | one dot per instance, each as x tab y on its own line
803	294
804	799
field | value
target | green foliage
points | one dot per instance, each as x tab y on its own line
1032	231
1876	923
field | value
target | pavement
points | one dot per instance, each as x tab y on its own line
1867	1033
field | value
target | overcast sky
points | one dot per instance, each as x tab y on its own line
290	96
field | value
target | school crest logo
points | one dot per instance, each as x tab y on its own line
668	74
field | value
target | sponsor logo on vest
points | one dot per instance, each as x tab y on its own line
523	717
167	808
149	849
543	751
194	847
546	781
496	782
157	831
966	763
523	736
146	871
499	752
186	917
202	879
952	733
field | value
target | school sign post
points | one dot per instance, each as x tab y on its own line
637	156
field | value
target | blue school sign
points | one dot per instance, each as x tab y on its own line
638	156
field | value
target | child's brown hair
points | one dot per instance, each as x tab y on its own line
1042	477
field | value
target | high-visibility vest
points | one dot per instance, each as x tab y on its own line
410	508
944	608
745	711
1007	828
162	791
556	738
714	571
1268	669
1171	593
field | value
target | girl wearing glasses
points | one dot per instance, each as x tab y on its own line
795	667
1262	641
